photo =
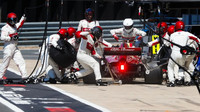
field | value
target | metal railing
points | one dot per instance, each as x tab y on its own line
32	32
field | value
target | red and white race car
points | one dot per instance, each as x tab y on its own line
126	62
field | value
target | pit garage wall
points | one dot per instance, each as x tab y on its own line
73	10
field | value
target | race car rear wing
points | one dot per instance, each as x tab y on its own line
122	51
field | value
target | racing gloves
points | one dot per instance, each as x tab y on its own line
116	37
59	47
14	36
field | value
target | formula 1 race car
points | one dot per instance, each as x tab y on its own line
125	63
128	63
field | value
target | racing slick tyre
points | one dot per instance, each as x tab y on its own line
65	57
154	77
89	79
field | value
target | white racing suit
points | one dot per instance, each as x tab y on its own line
167	44
181	38
189	59
85	25
72	41
128	36
86	49
11	50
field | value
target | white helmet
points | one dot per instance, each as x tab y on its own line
128	24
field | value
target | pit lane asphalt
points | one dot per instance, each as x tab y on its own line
136	97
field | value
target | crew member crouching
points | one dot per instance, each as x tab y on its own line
86	49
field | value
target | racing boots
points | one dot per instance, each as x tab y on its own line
101	83
187	83
179	82
73	78
171	84
65	80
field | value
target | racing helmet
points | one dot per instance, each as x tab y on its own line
171	29
179	25
96	32
63	33
128	25
77	34
12	19
162	27
78	37
71	31
89	14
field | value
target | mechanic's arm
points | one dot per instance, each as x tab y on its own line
54	41
195	38
107	44
114	33
104	43
79	26
21	22
140	32
94	53
84	34
4	35
167	37
97	23
154	42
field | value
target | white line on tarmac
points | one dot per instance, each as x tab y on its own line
77	98
10	105
68	94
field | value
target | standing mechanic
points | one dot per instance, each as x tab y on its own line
128	32
10	36
88	23
179	55
86	49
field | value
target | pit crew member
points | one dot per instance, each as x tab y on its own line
51	68
86	49
181	38
10	51
88	23
128	32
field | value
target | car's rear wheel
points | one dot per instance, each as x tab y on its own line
89	79
154	76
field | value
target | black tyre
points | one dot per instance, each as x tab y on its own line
154	77
89	79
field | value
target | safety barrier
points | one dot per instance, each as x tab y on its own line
32	32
